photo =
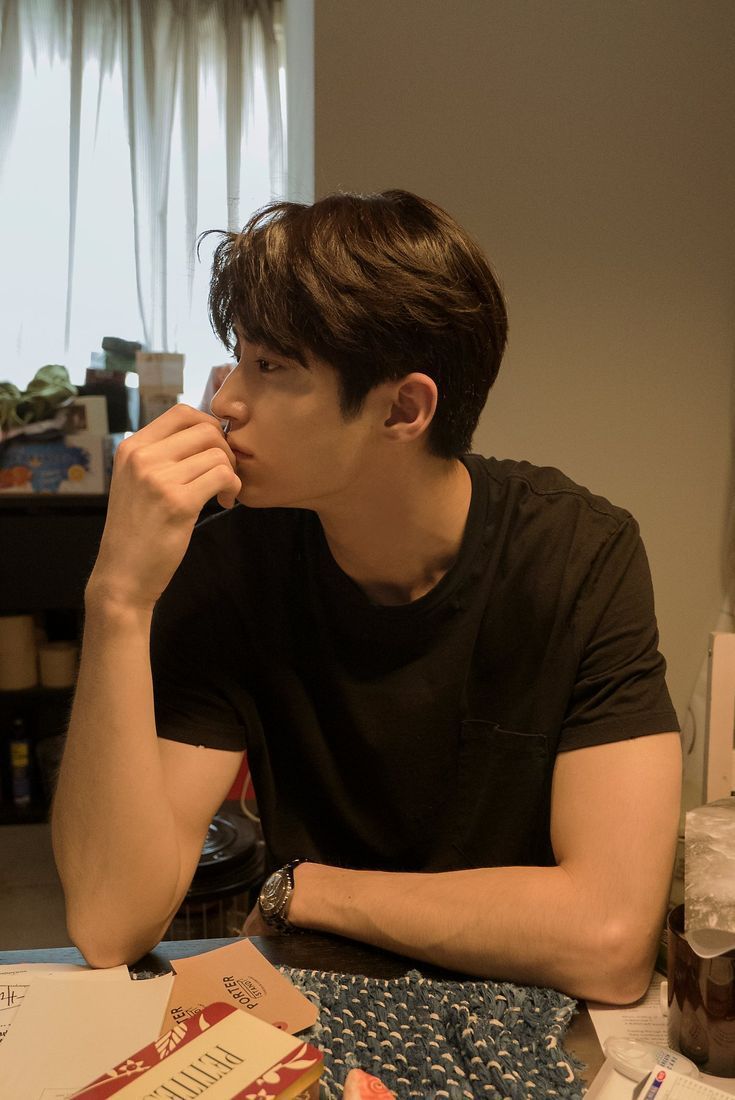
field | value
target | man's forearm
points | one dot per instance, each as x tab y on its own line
526	924
113	828
589	926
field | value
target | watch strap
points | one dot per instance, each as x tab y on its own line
279	918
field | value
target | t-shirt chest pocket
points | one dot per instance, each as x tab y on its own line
503	796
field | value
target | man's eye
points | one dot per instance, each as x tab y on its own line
265	366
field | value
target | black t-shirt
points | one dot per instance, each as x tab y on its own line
419	737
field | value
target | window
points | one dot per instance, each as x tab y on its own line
157	293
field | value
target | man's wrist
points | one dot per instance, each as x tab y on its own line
324	898
105	603
301	911
327	899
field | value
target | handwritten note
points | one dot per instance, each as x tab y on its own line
11	997
15	982
72	1027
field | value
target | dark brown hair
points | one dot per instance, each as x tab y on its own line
378	286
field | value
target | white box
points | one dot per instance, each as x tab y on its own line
87	414
662	1083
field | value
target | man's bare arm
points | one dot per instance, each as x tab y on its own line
131	812
588	926
128	818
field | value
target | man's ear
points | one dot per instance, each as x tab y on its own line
413	406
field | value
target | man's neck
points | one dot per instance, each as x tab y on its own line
398	539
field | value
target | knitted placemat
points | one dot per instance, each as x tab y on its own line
429	1039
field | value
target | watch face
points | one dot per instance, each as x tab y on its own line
274	893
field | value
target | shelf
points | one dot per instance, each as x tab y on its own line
35	814
48	546
26	503
45	712
35	695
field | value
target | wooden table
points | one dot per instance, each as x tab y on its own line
314	951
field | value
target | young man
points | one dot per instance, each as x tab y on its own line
444	668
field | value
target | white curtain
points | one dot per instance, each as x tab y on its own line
127	127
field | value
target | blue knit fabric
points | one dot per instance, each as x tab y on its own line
432	1039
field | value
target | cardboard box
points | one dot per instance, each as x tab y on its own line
160	382
162	369
74	464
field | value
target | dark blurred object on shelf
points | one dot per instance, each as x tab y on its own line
107	374
49	751
120	354
122	399
226	881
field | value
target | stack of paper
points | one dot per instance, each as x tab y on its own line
73	1025
63	1027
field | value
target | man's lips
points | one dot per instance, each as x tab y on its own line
240	455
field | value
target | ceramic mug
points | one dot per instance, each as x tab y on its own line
701	996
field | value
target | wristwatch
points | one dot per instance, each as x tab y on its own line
275	897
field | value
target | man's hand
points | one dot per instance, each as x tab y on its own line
163	476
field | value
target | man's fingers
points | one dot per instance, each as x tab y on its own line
188	441
186	470
219	482
173	420
175	487
179	432
197	437
193	471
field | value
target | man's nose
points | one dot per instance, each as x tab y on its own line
227	404
234	411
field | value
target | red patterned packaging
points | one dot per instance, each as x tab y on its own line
221	1053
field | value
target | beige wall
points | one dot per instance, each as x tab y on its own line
588	145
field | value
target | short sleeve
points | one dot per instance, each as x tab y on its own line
198	696
620	689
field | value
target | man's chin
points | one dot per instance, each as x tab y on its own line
271	500
259	497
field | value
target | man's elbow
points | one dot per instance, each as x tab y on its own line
625	958
105	948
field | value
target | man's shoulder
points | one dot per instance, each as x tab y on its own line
517	484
